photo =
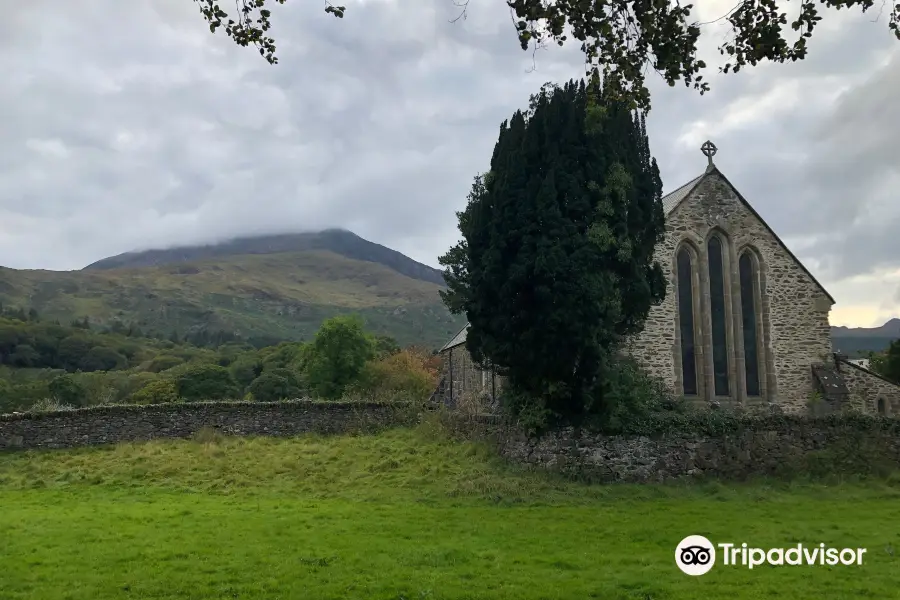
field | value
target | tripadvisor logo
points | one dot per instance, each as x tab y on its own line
696	555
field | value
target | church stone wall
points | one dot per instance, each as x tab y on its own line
794	309
468	380
866	388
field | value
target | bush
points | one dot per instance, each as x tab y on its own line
407	373
631	396
271	387
49	405
160	391
630	400
133	382
66	390
206	382
102	387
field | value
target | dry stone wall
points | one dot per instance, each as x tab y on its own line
111	424
794	308
768	446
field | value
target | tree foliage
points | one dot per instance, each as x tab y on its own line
206	382
250	22
887	364
556	262
338	356
105	367
66	390
102	358
409	372
620	38
160	391
272	386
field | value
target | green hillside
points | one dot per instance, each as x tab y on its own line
277	296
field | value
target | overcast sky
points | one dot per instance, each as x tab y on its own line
127	125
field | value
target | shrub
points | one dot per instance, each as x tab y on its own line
630	400
407	373
19	396
66	390
271	387
631	396
206	382
49	405
133	382
160	391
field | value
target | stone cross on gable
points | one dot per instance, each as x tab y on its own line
709	150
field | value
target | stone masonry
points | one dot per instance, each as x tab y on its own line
794	308
765	446
869	393
464	382
112	424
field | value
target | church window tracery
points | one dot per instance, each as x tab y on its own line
749	311
718	316
684	268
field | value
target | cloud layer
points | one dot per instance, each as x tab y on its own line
128	125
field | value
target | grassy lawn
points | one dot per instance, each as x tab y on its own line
405	515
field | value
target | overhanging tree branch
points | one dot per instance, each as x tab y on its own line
619	38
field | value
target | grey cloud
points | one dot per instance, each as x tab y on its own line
816	169
376	122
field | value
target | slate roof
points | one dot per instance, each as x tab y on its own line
831	384
845	361
458	339
673	199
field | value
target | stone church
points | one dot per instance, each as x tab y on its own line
743	324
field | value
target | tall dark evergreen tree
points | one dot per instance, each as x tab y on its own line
556	264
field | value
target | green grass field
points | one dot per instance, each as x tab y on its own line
405	515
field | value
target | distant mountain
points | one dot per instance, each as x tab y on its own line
270	287
891	329
860	340
339	241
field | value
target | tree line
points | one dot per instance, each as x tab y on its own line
47	365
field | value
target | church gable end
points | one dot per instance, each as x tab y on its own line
754	320
768	316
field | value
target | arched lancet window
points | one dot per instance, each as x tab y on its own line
686	321
717	308
748	322
881	410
